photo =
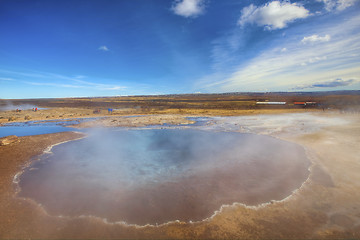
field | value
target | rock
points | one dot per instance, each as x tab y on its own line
12	118
8	140
27	117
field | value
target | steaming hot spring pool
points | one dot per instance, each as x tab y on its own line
153	176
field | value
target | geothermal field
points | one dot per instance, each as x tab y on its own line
77	170
180	119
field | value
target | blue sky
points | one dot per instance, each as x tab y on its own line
135	47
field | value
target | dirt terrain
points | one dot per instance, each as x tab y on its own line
135	121
325	207
231	104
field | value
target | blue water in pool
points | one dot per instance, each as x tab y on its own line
159	175
31	130
53	126
38	127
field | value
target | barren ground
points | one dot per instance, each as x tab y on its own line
326	206
232	104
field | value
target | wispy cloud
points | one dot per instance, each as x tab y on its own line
99	86
316	38
339	82
114	88
303	64
6	79
60	81
103	48
272	15
337	5
188	8
82	86
52	84
313	60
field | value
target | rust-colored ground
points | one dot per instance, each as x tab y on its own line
327	206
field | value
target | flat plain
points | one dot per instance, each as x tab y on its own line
326	206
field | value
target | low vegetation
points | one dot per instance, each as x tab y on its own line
228	104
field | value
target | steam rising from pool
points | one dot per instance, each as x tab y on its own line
155	176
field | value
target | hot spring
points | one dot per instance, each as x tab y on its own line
153	176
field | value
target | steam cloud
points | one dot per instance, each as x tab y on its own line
156	176
7	106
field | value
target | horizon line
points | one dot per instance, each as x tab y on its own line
179	94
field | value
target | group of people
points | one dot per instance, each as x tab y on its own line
110	110
34	110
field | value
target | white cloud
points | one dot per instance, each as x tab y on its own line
104	48
316	38
188	8
272	15
283	50
337	5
